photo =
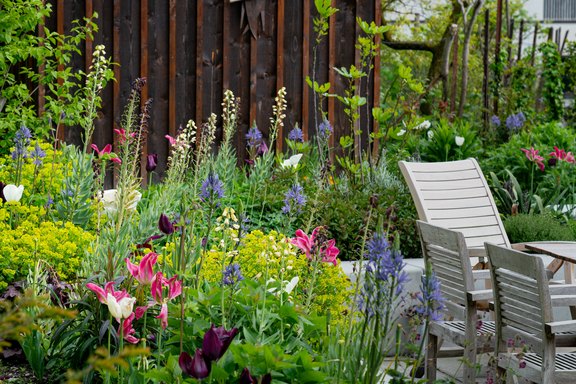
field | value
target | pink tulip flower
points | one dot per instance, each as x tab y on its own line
143	272
127	330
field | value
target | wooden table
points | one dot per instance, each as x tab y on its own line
564	252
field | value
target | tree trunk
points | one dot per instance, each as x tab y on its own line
466	53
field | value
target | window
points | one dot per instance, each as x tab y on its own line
560	10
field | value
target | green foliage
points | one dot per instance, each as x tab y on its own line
21	43
539	227
553	89
509	156
74	203
270	256
26	238
450	142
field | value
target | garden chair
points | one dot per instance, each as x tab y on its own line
523	306
455	195
447	253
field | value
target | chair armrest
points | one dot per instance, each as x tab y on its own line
563	300
481	294
562	289
481	274
561	326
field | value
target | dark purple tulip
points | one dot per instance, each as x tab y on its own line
266	379
2	185
197	367
165	225
262	149
151	162
246	378
216	342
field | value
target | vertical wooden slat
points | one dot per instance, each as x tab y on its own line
60	133
376	88
497	47
485	67
226	48
89	43
199	63
564	41
280	64
454	79
116	107
520	40
358	85
253	80
144	74
331	76
306	68
534	40
172	69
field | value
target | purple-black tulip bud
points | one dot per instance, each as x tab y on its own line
197	367
2	185
266	379
151	162
246	378
165	225
552	162
216	342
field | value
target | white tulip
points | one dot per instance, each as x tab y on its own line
110	200
126	306
292	161
13	193
423	125
430	135
114	306
459	141
291	284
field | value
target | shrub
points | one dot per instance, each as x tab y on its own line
26	238
270	256
541	227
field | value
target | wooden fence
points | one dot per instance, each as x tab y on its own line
191	51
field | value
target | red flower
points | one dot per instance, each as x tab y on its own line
561	154
308	245
533	156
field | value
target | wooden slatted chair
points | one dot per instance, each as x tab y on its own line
447	253
455	195
523	305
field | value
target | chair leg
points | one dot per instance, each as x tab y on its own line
431	357
469	374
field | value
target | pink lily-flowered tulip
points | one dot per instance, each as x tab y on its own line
308	245
119	303
171	140
163	316
533	156
140	311
127	331
329	252
122	134
106	153
143	272
157	290
561	154
174	287
102	293
304	242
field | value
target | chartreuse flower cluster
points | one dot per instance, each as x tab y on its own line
41	171
61	245
271	256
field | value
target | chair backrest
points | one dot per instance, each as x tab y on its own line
455	195
447	253
521	297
